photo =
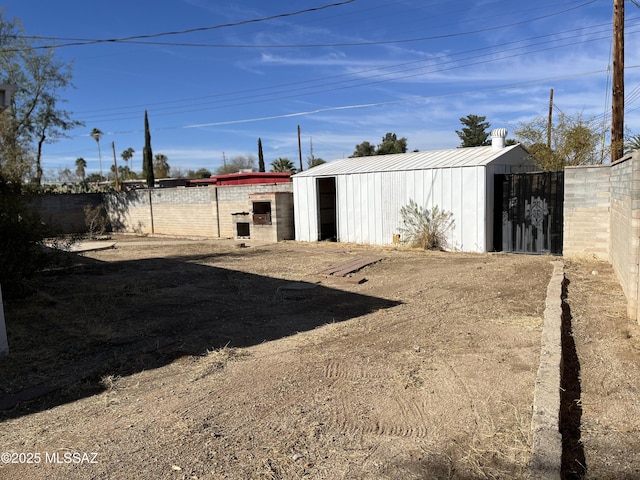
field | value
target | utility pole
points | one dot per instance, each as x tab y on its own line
617	99
299	148
550	124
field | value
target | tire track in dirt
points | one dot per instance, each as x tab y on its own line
376	411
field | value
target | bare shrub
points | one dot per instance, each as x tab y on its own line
96	220
425	228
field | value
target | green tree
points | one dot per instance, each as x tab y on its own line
96	134
201	173
161	166
93	178
474	132
364	149
314	162
574	141
283	165
81	168
392	144
237	164
35	118
15	155
260	156
127	155
147	155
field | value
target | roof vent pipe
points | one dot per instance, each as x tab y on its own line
498	136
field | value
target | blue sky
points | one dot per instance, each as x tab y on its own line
344	74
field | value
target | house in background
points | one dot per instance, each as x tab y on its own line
359	199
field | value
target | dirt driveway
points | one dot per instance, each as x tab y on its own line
203	360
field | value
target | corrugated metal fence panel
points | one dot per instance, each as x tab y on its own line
394	195
342	208
305	209
376	227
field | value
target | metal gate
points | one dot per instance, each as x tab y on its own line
529	212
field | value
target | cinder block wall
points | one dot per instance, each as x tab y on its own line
602	219
625	226
184	211
235	199
281	227
192	211
129	211
165	211
64	213
586	212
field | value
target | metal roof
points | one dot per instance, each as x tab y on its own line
457	157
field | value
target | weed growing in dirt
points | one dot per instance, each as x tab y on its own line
109	382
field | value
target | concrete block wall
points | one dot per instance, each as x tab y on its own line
129	211
64	213
165	211
235	199
193	211
281	227
586	212
602	219
184	211
625	227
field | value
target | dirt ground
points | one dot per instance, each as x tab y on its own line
204	360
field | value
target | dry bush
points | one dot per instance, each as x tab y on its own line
425	228
96	220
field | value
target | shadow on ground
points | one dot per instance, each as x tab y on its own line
115	319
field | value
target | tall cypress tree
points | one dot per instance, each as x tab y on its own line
260	156
147	155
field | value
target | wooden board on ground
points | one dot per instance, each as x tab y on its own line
351	266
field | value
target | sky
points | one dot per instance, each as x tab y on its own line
216	75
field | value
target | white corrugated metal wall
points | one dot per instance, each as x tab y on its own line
305	210
368	204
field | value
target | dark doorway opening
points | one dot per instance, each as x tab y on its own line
327	209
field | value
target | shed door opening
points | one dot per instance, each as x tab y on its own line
327	209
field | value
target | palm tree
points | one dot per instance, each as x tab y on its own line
161	166
81	165
97	134
126	156
283	165
633	143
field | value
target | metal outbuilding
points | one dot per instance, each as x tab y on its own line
359	199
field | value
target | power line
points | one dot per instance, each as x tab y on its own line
192	30
363	105
133	39
403	74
